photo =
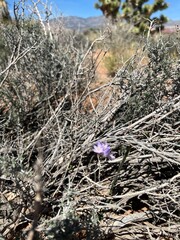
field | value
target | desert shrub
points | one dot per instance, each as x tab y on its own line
111	63
4	52
41	72
91	34
122	47
153	83
43	86
73	228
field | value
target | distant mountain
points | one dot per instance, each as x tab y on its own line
172	26
73	22
173	23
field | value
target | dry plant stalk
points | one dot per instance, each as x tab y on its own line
38	188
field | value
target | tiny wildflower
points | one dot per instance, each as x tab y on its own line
103	149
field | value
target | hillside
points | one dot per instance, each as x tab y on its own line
73	22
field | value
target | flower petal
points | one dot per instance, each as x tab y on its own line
111	157
98	148
106	151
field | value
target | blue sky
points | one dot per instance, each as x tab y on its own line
85	8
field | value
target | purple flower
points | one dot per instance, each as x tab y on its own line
104	149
